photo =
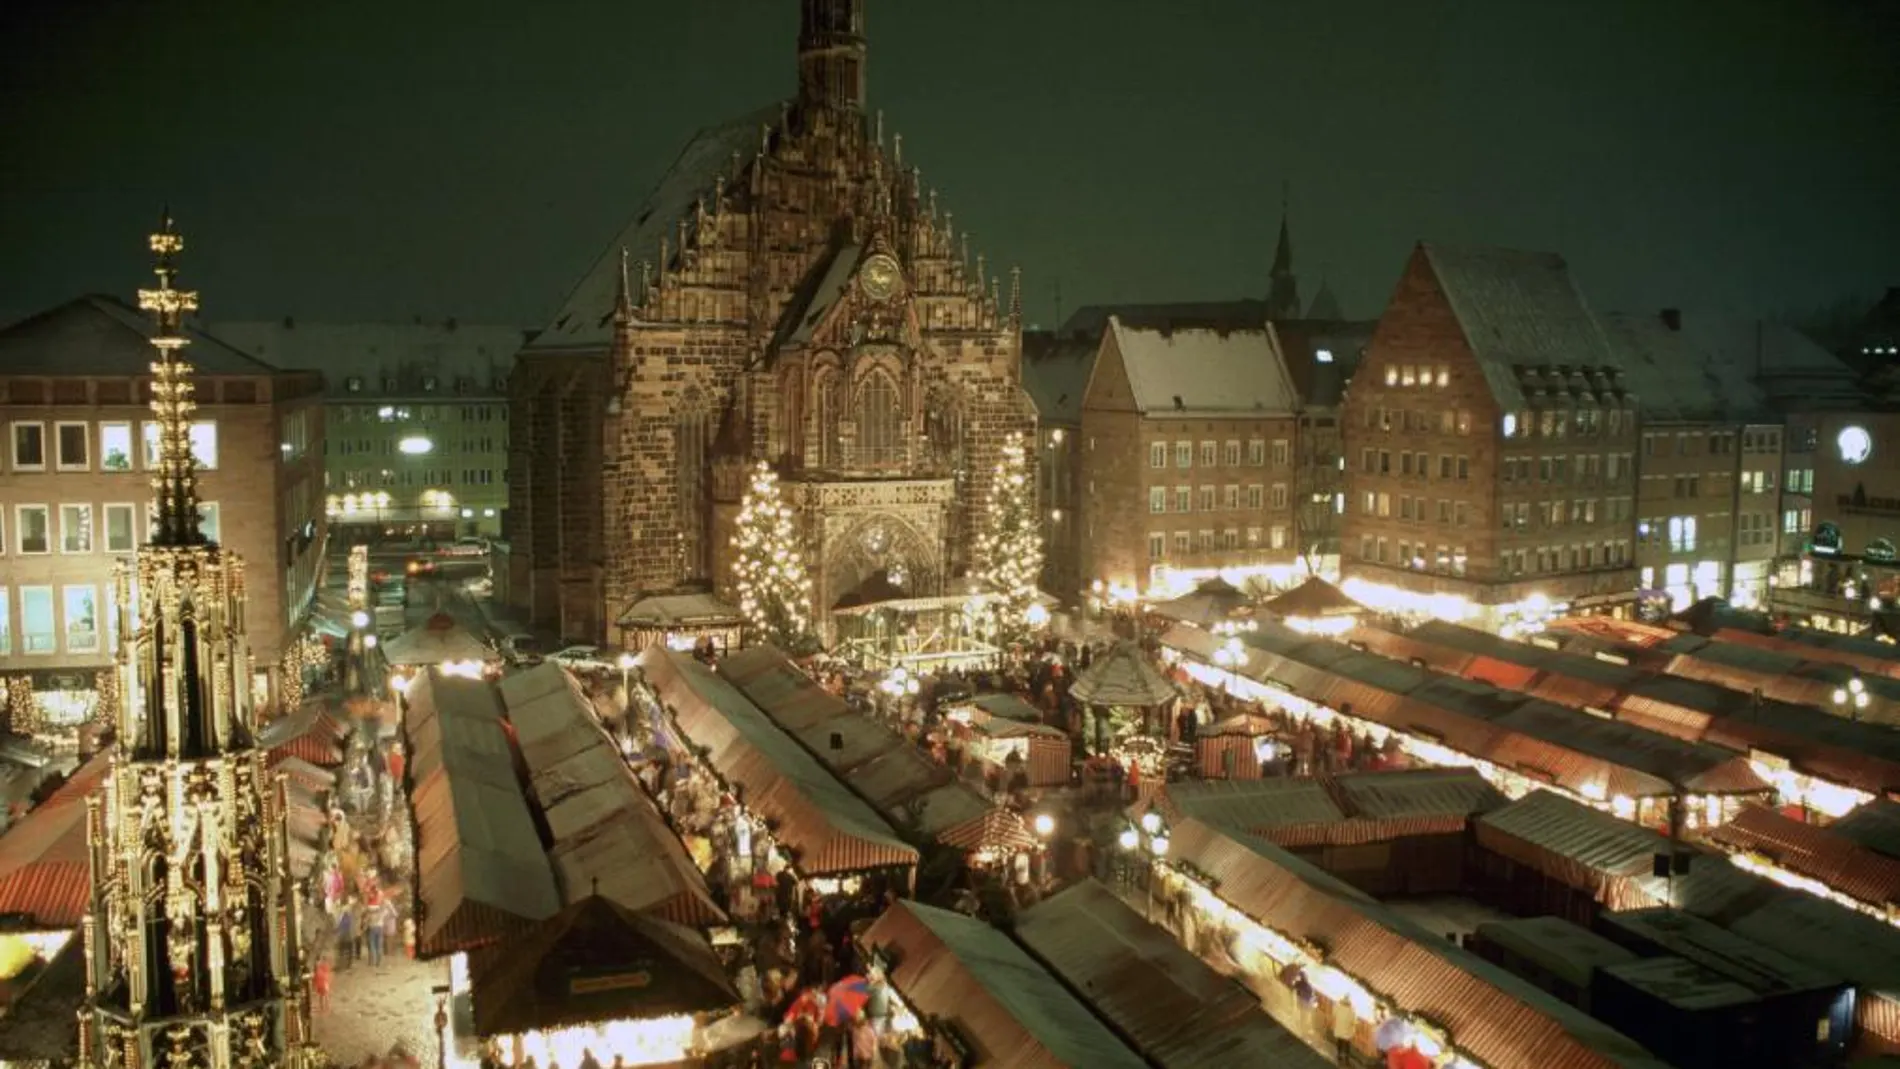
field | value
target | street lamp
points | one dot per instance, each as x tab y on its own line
359	619
626	690
1852	698
1231	656
1045	825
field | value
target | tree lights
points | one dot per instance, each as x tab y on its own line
1010	549
769	566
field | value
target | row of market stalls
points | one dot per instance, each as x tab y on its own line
1816	761
1326	959
1518	743
1546	854
559	906
760	693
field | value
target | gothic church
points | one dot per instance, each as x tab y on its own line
791	292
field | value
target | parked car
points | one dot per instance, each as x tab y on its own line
586	658
521	648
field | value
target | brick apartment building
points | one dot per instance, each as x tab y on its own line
1715	394
1490	437
75	387
1842	569
791	292
1188	440
418	420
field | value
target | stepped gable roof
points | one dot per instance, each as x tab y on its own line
585	319
1197	371
1056	370
101	335
1519	310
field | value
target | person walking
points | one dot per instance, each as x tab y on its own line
320	980
345	932
373	932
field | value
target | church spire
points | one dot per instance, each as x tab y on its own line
1283	293
175	480
831	54
623	299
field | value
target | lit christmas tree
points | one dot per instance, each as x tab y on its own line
774	589
1010	551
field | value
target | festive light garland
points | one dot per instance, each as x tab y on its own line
1009	551
774	588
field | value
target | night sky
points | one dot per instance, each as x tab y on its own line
377	160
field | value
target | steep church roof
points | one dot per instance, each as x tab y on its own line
585	320
1519	309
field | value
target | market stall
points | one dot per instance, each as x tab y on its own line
681	621
440	642
1123	693
882	626
1316	607
1213	602
596	979
1239	747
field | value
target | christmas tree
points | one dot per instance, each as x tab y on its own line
1010	550
774	589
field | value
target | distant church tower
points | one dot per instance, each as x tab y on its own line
1283	293
831	53
191	937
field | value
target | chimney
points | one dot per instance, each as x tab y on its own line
1672	318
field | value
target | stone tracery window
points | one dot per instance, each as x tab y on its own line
880	422
692	432
827	404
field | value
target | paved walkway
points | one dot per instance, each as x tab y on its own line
371	1009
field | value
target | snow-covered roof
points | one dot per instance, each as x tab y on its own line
829	288
1056	374
102	335
1705	367
1200	371
585	320
387	359
1519	309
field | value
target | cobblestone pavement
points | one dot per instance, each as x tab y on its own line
371	1009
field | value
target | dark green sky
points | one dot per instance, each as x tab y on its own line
352	159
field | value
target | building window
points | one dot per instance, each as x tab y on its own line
208	521
1279	495
39	631
1157	499
1184	499
1207	499
1682	534
1385	505
829	410
6	625
72	442
1282	452
33	529
1157	454
29	447
1278	536
1183	543
1204	541
115	447
1230	496
1157	545
121	533
1230	538
75	528
692	432
1368	461
1184	454
1230	454
1257	452
1210	453
1256	496
880	439
1253	537
82	618
1365	547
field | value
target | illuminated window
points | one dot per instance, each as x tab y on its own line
82	618
115	446
39	631
1158	454
1157	499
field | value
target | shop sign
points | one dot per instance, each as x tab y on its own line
1858	501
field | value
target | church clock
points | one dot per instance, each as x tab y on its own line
878	278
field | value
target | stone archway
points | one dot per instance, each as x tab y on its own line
884	544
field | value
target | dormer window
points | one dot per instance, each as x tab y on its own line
354	384
428	383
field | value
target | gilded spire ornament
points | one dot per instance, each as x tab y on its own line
191	952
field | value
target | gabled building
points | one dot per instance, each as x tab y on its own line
418	418
76	494
1056	373
792	292
1490	434
1188	441
1716	395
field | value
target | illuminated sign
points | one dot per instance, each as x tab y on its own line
1855	444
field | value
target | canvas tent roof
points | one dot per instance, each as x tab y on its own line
1207	604
1011	1008
439	640
1123	676
481	868
1314	598
609	840
591	963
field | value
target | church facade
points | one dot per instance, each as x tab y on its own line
791	292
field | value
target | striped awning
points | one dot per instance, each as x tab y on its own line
998	831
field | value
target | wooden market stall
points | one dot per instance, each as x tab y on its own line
681	621
1238	747
1213	602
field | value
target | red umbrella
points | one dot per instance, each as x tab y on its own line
805	1005
845	999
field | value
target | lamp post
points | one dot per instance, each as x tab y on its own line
1148	844
1851	699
